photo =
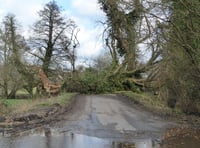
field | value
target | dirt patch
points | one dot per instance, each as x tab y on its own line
181	138
35	118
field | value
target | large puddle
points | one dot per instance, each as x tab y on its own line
54	139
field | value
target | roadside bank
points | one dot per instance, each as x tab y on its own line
29	114
153	104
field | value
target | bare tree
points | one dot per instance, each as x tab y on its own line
51	39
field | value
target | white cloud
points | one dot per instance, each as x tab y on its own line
86	14
90	37
87	8
89	42
24	10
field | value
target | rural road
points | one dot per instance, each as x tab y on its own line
96	121
109	116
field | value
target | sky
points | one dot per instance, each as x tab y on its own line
86	15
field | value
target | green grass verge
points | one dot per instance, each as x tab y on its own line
13	106
12	103
150	101
62	99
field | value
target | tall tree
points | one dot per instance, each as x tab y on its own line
52	35
121	31
12	45
183	54
129	24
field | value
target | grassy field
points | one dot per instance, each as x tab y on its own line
15	106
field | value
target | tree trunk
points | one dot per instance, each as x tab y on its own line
5	89
12	94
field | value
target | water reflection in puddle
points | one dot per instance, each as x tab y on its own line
52	139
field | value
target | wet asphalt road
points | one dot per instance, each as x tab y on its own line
107	116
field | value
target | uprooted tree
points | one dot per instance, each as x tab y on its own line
50	87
